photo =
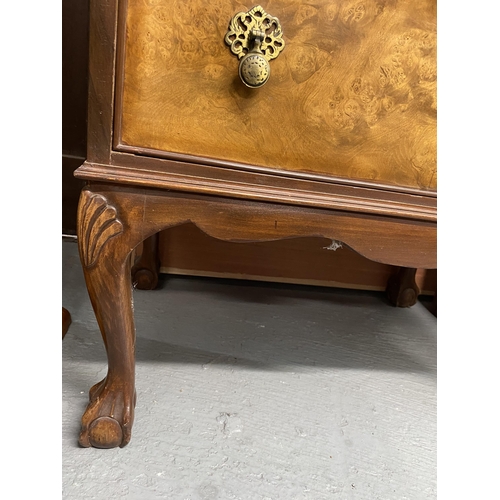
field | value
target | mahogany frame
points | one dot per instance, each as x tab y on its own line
133	193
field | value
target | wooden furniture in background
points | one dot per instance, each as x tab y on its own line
339	144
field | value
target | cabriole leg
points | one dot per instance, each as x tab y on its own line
105	245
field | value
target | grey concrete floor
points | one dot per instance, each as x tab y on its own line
258	391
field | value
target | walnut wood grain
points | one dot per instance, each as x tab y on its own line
353	95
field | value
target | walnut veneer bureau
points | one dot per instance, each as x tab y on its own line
292	118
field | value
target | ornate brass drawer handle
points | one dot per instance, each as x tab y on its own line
256	38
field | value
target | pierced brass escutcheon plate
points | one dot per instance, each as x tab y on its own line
256	38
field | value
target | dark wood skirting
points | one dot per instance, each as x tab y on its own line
389	240
185	177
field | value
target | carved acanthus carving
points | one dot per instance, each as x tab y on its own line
98	223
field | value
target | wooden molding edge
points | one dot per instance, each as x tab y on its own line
331	197
294	174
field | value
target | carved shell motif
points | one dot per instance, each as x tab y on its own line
97	224
257	18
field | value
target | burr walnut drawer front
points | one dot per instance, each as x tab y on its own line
351	89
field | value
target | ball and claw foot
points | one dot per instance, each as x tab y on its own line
107	422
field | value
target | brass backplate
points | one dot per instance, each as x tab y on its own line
243	24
